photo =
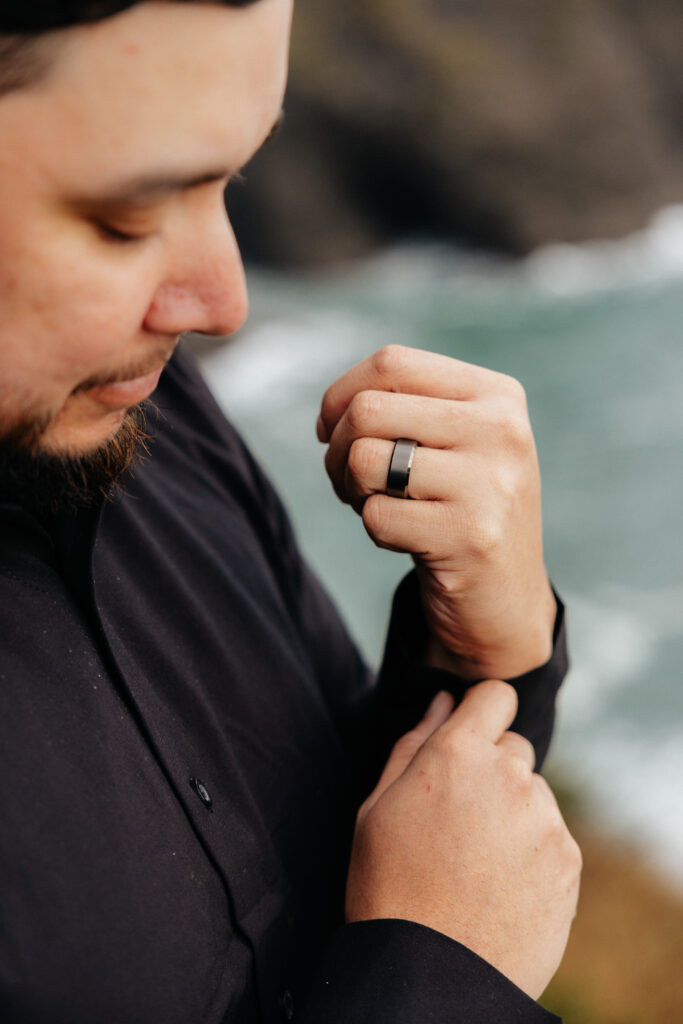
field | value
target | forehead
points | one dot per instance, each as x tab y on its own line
190	83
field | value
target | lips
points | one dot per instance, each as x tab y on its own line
121	394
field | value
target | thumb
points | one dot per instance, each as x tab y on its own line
407	747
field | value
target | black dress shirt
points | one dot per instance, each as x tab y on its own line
186	733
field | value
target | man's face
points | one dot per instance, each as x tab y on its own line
113	232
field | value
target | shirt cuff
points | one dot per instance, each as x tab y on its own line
406	684
399	972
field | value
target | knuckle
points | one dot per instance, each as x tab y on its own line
328	399
569	869
363	407
389	360
552	810
509	485
409	744
513	388
361	457
516	772
336	477
456	748
526	745
560	834
516	433
376	515
486	538
522	755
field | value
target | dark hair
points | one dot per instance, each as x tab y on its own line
35	16
26	46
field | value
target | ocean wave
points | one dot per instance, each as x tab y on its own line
274	360
650	256
613	646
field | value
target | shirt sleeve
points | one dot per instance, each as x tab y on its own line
406	685
397	972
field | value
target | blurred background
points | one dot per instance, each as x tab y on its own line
502	181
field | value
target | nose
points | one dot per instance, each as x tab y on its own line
204	288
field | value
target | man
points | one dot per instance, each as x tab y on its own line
187	732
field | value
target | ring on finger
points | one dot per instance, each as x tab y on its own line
400	465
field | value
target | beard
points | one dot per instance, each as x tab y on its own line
47	483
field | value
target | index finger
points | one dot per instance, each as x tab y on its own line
487	709
408	370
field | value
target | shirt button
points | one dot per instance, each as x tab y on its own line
202	792
287	1005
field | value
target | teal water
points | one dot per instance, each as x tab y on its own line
594	334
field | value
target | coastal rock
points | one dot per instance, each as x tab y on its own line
503	124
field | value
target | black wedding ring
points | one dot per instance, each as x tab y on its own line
399	467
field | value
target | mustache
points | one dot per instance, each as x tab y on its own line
130	371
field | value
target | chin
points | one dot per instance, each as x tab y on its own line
47	478
77	441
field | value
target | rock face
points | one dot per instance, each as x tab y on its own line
499	123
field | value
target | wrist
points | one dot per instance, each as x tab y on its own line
484	657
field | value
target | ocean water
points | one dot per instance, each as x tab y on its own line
594	334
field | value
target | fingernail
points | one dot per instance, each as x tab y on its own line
438	704
321	430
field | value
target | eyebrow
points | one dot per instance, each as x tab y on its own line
149	187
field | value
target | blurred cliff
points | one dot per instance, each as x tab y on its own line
503	124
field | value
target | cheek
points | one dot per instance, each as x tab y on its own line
66	314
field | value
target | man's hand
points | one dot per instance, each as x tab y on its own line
461	836
474	526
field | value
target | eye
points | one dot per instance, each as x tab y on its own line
113	234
